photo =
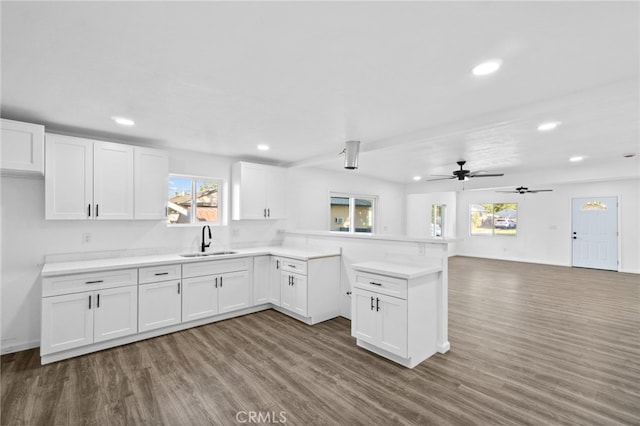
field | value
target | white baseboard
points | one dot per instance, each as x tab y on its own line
9	349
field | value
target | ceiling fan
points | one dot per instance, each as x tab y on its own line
524	189
465	174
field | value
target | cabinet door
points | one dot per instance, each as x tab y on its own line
274	284
363	315
115	313
287	295
299	294
392	320
253	187
68	178
112	181
261	279
276	196
22	147
151	174
199	297
67	322
159	305
234	291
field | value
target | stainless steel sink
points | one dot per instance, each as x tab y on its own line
200	254
194	254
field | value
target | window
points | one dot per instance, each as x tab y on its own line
437	220
194	200
493	219
350	213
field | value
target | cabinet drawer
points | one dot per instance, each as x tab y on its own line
154	274
66	284
198	269
382	284
291	265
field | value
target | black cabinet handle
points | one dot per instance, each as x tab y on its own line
374	283
216	282
277	264
377	304
372	303
97	211
292	266
268	212
178	287
89	301
264	212
89	210
98	301
161	273
220	282
94	282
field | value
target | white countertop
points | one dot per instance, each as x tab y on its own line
395	269
80	266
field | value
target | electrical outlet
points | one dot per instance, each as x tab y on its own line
86	238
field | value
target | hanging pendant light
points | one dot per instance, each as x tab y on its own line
351	153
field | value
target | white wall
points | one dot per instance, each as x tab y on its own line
308	199
544	224
27	238
419	213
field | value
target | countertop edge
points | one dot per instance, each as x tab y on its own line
83	266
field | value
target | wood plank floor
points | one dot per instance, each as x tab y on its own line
530	345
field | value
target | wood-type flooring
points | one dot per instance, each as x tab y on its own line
530	345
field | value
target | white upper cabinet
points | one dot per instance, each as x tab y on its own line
112	181
68	178
151	174
22	147
258	191
94	180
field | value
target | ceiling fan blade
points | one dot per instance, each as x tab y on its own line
487	175
509	192
533	191
442	175
442	178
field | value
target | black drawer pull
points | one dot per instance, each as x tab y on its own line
292	266
89	301
161	273
94	282
374	283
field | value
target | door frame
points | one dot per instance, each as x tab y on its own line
618	197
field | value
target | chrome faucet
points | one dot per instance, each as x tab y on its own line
204	246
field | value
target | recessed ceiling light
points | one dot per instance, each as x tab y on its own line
487	67
417	178
576	159
123	121
263	147
549	125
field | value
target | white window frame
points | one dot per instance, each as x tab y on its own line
352	210
222	200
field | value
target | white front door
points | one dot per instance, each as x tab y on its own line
595	232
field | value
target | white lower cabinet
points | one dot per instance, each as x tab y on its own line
380	320
293	288
199	298
216	287
160	304
261	279
308	290
394	310
274	281
73	320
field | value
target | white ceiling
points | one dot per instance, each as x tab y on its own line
304	77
